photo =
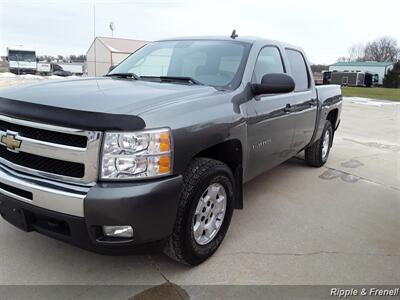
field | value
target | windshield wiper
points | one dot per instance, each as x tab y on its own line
174	79
124	75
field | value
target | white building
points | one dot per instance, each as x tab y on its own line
374	67
105	52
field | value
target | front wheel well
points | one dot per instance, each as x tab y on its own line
231	153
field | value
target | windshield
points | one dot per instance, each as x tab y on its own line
17	55
214	63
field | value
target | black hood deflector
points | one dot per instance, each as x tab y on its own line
71	118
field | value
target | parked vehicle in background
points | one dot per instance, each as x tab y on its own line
371	79
64	70
21	61
154	155
45	68
62	73
326	77
73	68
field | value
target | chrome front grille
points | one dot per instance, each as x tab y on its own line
45	135
65	154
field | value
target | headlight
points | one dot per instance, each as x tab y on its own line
130	155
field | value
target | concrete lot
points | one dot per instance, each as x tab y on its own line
335	225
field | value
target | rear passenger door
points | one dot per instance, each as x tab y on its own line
270	131
304	105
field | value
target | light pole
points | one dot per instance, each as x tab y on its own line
112	28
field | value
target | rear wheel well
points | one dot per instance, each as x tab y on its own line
332	117
230	153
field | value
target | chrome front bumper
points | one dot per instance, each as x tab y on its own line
51	195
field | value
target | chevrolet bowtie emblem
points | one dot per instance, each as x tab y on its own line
11	142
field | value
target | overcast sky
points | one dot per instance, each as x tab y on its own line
325	29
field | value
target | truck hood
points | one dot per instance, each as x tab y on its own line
105	94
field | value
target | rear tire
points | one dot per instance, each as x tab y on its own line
316	155
206	200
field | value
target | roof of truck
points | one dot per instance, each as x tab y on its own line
245	39
248	39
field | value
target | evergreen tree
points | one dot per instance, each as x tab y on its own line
392	78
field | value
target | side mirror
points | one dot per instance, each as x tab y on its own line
6	58
111	68
274	83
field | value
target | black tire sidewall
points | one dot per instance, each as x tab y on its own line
194	252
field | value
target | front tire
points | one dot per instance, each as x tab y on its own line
204	213
316	155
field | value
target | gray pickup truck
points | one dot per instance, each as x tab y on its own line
153	156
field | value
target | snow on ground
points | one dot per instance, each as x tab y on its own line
9	79
371	102
7	75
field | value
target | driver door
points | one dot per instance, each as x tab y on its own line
271	127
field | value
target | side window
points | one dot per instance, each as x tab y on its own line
299	70
268	61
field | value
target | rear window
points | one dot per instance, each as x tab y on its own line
298	69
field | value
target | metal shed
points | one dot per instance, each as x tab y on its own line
105	52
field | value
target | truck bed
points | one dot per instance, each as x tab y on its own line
328	93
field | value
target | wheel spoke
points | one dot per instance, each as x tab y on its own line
199	208
213	191
220	204
210	230
206	198
198	230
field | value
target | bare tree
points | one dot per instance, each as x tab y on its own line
342	59
319	68
382	49
357	52
81	58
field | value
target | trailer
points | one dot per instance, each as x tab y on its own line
21	60
348	78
